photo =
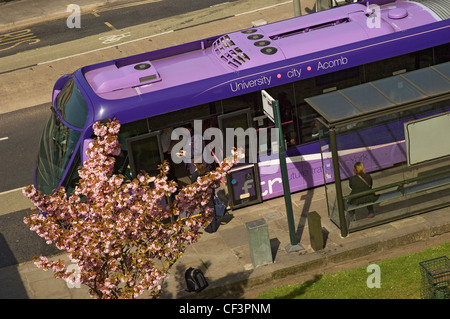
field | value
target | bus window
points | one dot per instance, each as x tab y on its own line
397	65
72	105
57	145
127	130
178	118
339	79
290	122
442	53
60	137
239	122
74	177
245	101
145	153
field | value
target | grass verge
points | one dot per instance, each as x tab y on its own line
400	278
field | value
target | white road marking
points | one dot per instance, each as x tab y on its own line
268	7
14	200
108	47
12	190
151	36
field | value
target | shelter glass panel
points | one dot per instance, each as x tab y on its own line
444	69
430	81
366	97
397	189
398	90
335	106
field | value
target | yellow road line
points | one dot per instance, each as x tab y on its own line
110	26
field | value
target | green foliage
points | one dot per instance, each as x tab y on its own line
400	279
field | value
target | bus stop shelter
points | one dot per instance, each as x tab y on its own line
399	128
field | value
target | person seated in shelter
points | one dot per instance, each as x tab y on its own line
360	182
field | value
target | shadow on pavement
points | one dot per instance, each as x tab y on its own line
11	286
18	244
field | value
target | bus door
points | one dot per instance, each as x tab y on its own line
243	184
145	153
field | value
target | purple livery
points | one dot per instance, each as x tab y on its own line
225	74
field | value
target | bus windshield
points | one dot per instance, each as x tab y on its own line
72	105
58	140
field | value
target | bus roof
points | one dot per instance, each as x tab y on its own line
240	52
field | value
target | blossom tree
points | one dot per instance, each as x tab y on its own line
122	235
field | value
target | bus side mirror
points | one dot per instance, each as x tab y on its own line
85	147
59	86
55	94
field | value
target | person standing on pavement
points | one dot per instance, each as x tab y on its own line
193	154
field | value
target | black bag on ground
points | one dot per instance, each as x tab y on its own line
214	225
195	280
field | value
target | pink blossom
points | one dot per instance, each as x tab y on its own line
117	232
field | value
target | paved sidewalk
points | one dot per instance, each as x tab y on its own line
224	256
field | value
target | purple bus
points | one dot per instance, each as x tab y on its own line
219	80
